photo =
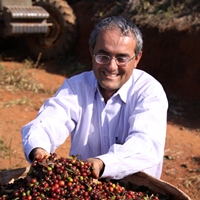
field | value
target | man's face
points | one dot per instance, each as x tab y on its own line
112	43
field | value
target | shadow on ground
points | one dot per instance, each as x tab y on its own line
185	112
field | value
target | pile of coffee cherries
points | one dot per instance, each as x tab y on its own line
52	178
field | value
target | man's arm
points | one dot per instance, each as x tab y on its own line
143	148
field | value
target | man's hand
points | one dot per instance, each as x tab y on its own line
38	153
98	166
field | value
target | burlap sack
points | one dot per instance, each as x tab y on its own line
130	182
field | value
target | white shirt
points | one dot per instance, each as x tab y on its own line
127	133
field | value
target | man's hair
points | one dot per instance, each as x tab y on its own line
117	22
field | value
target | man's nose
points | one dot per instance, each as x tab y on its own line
112	65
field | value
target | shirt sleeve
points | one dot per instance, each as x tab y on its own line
143	149
53	124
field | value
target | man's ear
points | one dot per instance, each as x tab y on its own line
137	59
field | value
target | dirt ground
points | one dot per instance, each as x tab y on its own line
17	107
182	151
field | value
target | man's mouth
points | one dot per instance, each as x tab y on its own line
110	74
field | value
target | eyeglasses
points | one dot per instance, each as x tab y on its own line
104	59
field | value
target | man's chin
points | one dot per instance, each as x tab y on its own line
109	87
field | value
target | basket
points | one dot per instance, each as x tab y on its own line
131	182
155	185
8	176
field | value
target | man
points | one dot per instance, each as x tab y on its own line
116	114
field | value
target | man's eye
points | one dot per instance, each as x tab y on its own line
122	59
104	58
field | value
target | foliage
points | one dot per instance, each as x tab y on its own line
4	150
17	79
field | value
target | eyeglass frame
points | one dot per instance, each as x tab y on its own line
115	58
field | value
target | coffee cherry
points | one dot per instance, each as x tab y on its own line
66	178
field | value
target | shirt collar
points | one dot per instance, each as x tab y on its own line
124	90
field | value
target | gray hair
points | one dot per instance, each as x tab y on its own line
125	26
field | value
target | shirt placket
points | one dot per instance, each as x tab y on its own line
103	129
104	132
